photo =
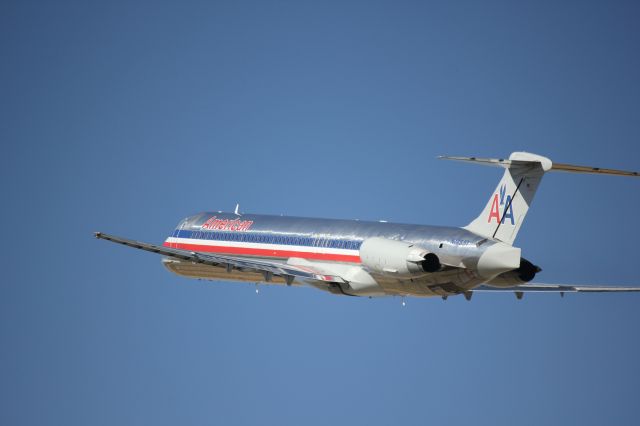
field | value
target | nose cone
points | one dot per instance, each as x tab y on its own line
497	259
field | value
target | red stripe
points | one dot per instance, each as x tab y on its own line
264	252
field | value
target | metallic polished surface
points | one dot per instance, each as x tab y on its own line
449	242
456	240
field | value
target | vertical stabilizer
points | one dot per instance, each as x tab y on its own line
503	215
508	204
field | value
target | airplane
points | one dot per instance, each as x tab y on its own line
371	259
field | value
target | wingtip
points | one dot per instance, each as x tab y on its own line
97	234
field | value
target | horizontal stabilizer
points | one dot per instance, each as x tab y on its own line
495	162
547	165
570	168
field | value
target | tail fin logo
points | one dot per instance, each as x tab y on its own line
501	201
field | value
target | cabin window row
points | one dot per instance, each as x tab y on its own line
269	239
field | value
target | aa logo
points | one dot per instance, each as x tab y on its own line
504	204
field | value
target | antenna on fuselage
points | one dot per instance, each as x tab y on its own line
237	210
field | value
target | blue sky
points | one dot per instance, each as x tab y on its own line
126	117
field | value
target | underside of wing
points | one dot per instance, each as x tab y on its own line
556	288
268	269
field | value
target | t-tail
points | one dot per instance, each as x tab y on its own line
507	207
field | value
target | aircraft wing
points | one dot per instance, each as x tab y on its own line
267	268
555	288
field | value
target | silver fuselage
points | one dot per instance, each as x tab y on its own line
333	244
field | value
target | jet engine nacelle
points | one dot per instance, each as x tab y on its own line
397	258
525	273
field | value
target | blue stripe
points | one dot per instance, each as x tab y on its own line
266	238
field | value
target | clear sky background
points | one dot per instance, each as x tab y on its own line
125	117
